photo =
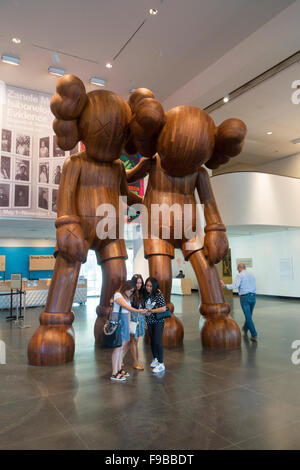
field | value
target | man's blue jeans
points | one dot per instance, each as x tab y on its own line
248	302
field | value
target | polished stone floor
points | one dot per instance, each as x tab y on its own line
246	399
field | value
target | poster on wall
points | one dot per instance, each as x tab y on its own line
227	265
30	160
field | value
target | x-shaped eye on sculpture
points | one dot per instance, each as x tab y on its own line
103	127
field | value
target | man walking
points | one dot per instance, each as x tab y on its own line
245	283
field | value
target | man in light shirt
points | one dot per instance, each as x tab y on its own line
245	283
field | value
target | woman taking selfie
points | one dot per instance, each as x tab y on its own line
122	309
155	303
137	319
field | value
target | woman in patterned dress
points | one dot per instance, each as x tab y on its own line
138	302
155	303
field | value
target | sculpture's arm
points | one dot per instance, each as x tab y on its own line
139	171
215	241
70	238
132	198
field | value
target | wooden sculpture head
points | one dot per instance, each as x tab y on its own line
185	137
100	119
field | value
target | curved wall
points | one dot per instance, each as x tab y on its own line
251	198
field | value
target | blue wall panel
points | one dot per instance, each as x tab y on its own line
17	261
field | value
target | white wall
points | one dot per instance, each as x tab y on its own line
266	250
257	199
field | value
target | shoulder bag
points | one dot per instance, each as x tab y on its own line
111	337
163	315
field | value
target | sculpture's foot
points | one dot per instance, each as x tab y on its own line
103	313
53	342
173	332
219	331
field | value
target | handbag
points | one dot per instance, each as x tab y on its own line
111	337
163	315
133	326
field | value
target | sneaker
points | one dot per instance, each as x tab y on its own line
154	363
159	368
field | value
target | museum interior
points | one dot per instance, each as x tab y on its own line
204	111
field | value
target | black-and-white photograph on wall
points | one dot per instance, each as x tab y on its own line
57	151
6	140
5	168
44	173
56	174
43	198
22	169
44	146
54	199
21	195
23	143
4	195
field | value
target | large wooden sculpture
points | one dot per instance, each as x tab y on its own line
185	138
100	120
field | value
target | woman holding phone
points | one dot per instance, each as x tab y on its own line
138	302
122	309
155	303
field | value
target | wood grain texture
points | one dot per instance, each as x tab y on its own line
90	178
185	138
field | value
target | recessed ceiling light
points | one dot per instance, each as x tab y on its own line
9	59
56	71
226	99
108	65
269	132
97	81
16	40
153	11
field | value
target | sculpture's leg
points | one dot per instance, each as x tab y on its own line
113	274
220	331
160	268
53	342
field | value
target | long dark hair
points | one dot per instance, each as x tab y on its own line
126	285
154	283
139	294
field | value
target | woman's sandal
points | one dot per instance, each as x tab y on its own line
139	367
123	373
118	377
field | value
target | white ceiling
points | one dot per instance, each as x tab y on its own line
169	50
267	107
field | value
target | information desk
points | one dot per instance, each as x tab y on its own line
37	291
181	286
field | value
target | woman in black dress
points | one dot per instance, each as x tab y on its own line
155	303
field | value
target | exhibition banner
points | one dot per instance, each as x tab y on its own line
30	160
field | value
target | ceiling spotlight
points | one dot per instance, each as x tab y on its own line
108	65
56	71
16	40
97	81
153	11
226	99
269	132
9	59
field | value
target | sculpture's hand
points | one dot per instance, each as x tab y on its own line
215	246
71	242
